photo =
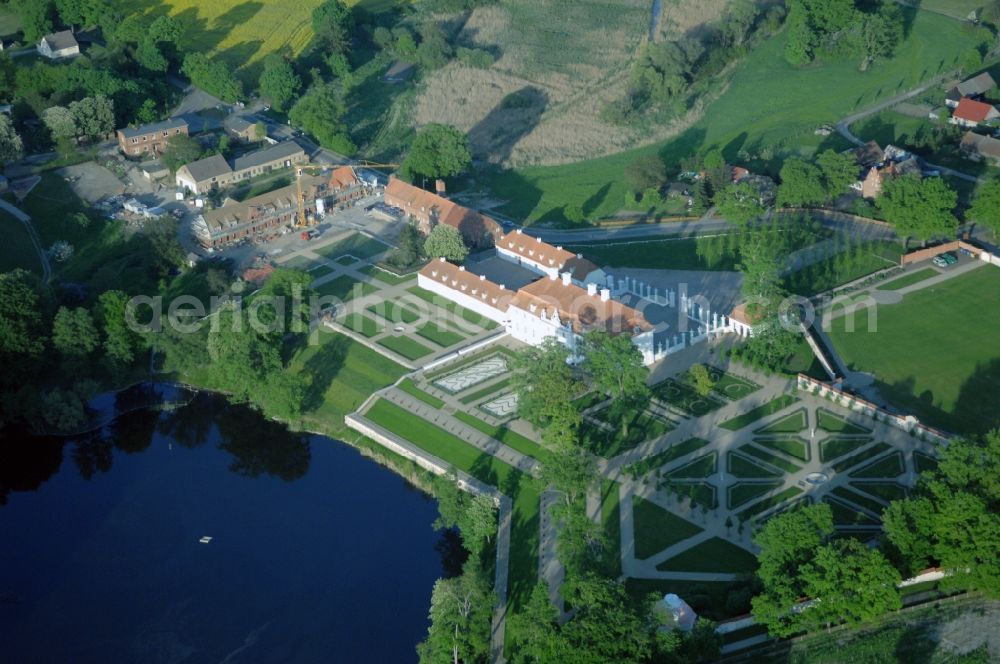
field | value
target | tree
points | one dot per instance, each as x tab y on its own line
801	184
212	76
35	17
740	203
878	34
11	146
80	13
787	542
60	122
954	519
332	23
446	241
570	470
771	341
120	341
645	172
606	627
986	206
615	367
461	616
21	330
180	149
574	213
839	170
848	582
438	151
473	515
74	332
162	233
93	116
279	82
701	378
409	248
320	112
545	387
920	208
434	50
534	631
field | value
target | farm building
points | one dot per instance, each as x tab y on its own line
972	113
242	129
973	88
429	209
214	172
136	141
59	45
977	147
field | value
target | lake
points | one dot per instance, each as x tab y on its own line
317	553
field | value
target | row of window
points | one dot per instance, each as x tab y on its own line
145	138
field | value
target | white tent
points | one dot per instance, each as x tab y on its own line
676	613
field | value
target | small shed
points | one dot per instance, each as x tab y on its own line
154	170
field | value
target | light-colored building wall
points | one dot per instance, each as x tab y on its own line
465	300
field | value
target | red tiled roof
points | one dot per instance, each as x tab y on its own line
973	111
575	305
534	249
472	285
343	177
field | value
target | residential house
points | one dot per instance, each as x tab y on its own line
546	260
242	129
265	215
972	113
973	88
136	141
59	45
978	147
868	155
214	172
204	175
429	209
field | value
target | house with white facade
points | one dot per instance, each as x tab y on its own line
547	260
59	45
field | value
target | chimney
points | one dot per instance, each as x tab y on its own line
519	231
538	240
461	268
440	188
482	277
566	278
605	295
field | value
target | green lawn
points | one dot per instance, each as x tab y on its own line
833	423
924	462
768	503
831	448
386	276
461	455
361	324
769	408
405	347
17	250
730	386
342	373
796	447
844	515
508	437
345	288
740	466
713	555
910	279
859	499
887	491
346	260
684	397
698	468
611	517
700	493
356	244
843	268
438	335
655	254
934	354
870	453
642	427
768	103
675	451
394	312
656	528
791	423
407	385
767	457
743	492
890	466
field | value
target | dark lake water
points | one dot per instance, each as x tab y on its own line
317	554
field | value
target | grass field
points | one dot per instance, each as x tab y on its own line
769	103
860	457
461	455
713	555
795	447
767	457
934	354
641	428
791	423
342	374
361	324
345	288
656	528
356	244
405	347
890	466
408	386
17	250
743	492
740	466
486	391
699	493
676	451
508	437
768	503
438	335
655	254
748	418
831	448
910	279
698	468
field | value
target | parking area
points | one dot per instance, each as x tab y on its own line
92	182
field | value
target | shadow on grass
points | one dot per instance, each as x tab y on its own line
322	368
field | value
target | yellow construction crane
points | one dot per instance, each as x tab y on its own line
299	198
